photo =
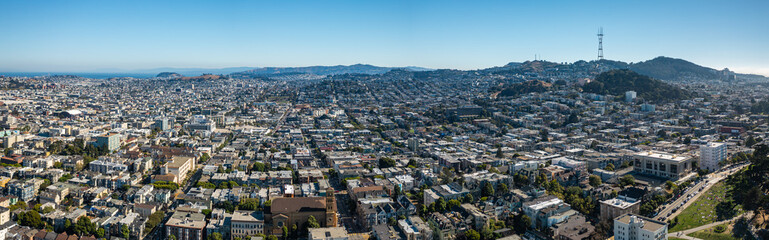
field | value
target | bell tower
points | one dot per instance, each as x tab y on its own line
331	217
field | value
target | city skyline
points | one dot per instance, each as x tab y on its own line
113	37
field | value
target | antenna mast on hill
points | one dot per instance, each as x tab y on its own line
600	43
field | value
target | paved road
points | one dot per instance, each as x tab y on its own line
157	232
711	179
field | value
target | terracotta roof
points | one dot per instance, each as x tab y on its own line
40	234
366	189
168	177
300	204
147	206
62	236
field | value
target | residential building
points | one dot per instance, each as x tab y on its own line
162	124
630	96
186	226
246	223
290	211
415	229
619	206
5	215
329	233
634	227
178	166
546	211
711	155
26	191
110	140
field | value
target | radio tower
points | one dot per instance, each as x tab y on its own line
600	43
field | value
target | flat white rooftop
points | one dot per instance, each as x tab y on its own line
663	155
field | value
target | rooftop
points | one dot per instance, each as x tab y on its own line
622	203
647	223
663	155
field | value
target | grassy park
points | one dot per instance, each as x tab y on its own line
720	232
715	205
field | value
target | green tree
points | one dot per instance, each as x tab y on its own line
486	233
172	237
520	180
48	209
259	167
312	222
386	162
249	204
594	180
84	226
100	232
541	179
609	167
215	236
68	226
521	223
206	185
285	232
468	198
624	165
502	188
472	235
31	219
750	141
453	203
206	212
627	180
126	233
204	158
488	190
499	153
440	205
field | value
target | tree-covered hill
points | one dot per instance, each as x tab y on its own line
617	82
525	87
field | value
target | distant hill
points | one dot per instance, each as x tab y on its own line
201	77
617	82
326	70
527	66
169	75
525	87
195	71
663	68
674	69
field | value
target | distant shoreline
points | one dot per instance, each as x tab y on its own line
81	74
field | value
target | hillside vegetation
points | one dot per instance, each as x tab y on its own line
525	87
617	82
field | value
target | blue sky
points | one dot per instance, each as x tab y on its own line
125	35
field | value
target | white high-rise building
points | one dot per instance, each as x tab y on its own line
711	154
634	227
413	144
630	96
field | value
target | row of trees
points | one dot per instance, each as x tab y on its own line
82	227
750	187
166	185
